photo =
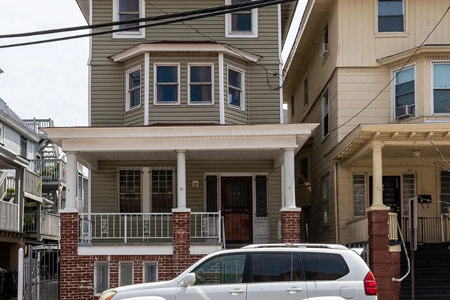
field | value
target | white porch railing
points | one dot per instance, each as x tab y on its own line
205	225
430	230
393	230
9	216
49	224
126	227
359	230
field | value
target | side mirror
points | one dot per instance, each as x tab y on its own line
189	279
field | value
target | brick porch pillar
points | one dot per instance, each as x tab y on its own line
290	225
181	240
69	255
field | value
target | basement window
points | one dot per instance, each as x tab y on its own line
101	277
150	272
126	273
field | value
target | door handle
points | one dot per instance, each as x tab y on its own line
236	292
294	290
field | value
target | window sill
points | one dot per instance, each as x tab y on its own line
391	34
236	107
201	103
133	108
232	35
166	103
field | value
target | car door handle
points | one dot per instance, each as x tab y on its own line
236	292
294	290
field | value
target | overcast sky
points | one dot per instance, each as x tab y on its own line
51	80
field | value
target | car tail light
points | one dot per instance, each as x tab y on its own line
370	285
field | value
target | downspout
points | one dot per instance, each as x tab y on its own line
336	208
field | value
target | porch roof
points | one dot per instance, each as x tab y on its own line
402	137
93	144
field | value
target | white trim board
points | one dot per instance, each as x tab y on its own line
125	250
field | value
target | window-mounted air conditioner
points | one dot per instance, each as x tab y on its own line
404	111
324	49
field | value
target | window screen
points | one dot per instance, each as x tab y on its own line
101	275
150	272
273	267
323	266
125	273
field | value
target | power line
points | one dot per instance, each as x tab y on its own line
225	45
184	16
396	74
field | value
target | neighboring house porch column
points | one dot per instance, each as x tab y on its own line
69	234
384	263
181	220
290	214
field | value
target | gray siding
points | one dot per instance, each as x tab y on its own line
107	95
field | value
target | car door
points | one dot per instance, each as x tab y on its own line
325	274
276	276
219	278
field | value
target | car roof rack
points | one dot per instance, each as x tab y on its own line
296	245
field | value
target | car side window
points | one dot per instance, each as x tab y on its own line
275	267
225	269
323	266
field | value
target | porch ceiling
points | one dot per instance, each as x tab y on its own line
398	140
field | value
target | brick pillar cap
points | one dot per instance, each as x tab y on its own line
378	207
291	209
68	210
181	210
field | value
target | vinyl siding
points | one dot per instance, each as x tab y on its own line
105	190
107	95
236	116
134	117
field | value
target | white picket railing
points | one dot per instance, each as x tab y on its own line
9	216
205	225
393	229
125	226
49	224
359	230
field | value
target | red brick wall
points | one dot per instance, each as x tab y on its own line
69	256
290	226
384	264
181	242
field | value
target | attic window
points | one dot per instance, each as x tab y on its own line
241	24
125	10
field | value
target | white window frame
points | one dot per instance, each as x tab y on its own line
366	188
2	133
239	34
95	276
132	270
155	90
127	88
394	83
143	269
243	85
433	63
326	92
392	33
189	65
118	185
174	185
128	34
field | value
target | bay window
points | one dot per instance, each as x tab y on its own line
133	88
236	88
405	96
200	84
167	84
441	88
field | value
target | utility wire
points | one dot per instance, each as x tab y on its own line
395	76
238	6
225	45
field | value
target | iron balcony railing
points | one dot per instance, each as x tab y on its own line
50	169
205	225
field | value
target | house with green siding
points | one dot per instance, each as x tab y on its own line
185	145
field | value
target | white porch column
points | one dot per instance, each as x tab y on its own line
181	179
71	181
289	178
377	157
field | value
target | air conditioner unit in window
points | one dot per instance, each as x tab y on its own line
404	111
324	49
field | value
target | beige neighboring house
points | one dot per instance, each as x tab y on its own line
185	146
369	157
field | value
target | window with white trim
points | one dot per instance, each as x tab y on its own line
441	88
236	86
325	114
162	190
167	83
133	88
201	87
126	273
101	277
404	93
359	195
126	10
325	199
150	272
391	16
261	196
243	23
130	193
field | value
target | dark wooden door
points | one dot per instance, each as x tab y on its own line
237	209
391	193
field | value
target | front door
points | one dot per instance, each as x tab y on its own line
391	193
237	209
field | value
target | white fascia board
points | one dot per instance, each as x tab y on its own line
204	250
184	47
125	250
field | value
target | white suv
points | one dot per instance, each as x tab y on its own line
265	272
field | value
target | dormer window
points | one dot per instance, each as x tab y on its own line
125	10
391	16
241	24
